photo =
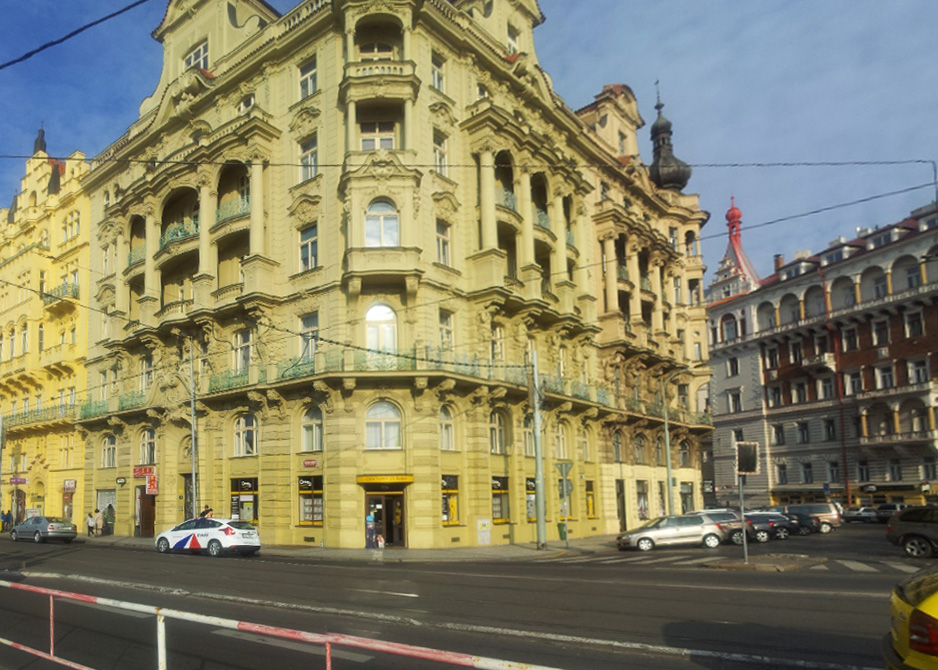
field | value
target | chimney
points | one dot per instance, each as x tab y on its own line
779	262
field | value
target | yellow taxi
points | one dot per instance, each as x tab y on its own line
912	642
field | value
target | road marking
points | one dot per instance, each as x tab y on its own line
387	593
902	567
857	566
708	559
585	559
820	567
294	646
666	559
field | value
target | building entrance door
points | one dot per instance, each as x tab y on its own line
146	512
387	510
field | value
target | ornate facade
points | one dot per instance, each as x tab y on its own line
359	221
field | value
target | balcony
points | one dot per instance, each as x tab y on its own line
505	197
63	291
179	231
137	255
62	354
299	366
93	408
646	284
384	79
58	413
232	210
895	438
367	361
541	218
177	309
913	389
232	379
131	400
622	272
818	362
384	267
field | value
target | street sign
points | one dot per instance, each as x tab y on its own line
565	487
564	467
19	480
747	458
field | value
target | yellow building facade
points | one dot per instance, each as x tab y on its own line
359	221
43	338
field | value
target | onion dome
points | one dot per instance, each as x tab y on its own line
666	171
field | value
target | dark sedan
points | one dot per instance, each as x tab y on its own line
42	528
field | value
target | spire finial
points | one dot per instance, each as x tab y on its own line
658	105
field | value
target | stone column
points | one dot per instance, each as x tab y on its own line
523	188
888	282
856	291
896	424
257	207
612	274
583	244
151	276
122	252
487	199
558	256
635	296
657	314
800	309
407	134
407	55
206	220
351	126
350	55
923	271
864	424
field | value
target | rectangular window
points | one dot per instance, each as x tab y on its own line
512	39
442	243
781	473
437	80
146	372
833	471
929	470
500	512
879	287
863	471
198	57
309	248
308	79
850	339
735	401
830	430
821	344
738	434
242	350
884	379
309	159
807	473
895	470
914	325
826	388
309	331
641	494
439	153
775	396
446	330
590	500
310	493
497	345
771	358
732	367
804	433
799	391
880	333
450	486
796	354
377	135
778	434
918	371
853	383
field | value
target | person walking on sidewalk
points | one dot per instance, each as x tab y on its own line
98	522
90	523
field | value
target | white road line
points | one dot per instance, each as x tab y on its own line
307	648
615	560
585	559
387	593
858	567
902	567
819	567
666	559
708	559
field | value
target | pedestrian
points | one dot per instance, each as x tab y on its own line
98	522
206	512
90	522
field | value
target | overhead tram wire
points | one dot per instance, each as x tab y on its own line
77	31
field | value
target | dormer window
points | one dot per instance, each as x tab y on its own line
198	57
881	240
247	102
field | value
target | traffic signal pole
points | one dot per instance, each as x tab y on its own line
539	503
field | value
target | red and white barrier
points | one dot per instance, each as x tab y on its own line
328	640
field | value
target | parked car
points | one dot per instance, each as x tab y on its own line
861	514
806	524
764	526
674	530
216	536
912	642
916	530
42	528
886	510
828	513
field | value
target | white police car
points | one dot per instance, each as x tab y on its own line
216	536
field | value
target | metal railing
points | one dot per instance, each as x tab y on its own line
327	640
60	292
506	198
232	209
179	231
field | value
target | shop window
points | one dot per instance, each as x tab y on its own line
500	511
641	495
530	499
310	494
245	499
312	430
590	500
450	491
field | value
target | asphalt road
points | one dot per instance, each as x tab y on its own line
604	610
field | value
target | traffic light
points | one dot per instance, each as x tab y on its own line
747	458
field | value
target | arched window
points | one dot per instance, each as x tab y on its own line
497	437
562	441
639	449
659	452
583	444
684	454
381	326
383	426
382	225
528	430
148	447
617	447
109	452
25	339
245	435
42	337
447	442
312	430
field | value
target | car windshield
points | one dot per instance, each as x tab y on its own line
241	525
55	519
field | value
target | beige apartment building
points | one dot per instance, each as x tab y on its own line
359	221
43	338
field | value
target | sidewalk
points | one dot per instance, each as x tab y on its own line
505	552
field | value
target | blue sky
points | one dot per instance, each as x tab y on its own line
743	82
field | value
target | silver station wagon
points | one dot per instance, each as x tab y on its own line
675	530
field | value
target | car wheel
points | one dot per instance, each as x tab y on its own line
737	537
645	544
804	530
782	533
762	536
711	541
37	537
826	528
162	545
214	548
917	547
